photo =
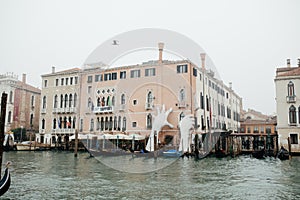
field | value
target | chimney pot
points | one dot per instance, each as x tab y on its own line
24	78
202	55
53	69
288	62
160	48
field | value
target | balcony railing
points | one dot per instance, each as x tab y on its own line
43	110
149	106
122	107
182	104
291	99
64	110
63	131
103	109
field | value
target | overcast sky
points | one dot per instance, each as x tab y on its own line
246	40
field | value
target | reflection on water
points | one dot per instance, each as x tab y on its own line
58	175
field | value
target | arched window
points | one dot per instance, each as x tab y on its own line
181	116
92	125
291	91
10	96
108	103
102	124
124	124
32	101
43	123
61	101
292	114
69	123
55	101
54	123
66	100
149	97
149	121
181	95
110	123
98	124
106	123
98	102
119	123
31	119
113	101
9	117
75	100
122	99
74	122
115	123
65	122
89	103
70	100
44	102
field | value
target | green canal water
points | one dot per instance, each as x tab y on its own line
58	175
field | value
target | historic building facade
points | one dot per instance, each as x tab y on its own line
23	103
287	83
59	102
126	99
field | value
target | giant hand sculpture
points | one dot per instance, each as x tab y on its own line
160	120
185	125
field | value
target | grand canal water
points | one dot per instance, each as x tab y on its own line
58	175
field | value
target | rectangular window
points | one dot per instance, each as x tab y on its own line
98	77
123	75
294	138
150	72
262	129
45	83
255	129
71	81
76	80
107	77
268	129
62	81
135	73
134	124
248	130
114	76
89	89
56	82
195	72
182	69
90	79
67	81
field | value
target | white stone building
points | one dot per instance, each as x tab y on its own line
287	83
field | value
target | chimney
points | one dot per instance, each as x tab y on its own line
202	55
298	62
230	85
53	69
160	48
24	78
288	62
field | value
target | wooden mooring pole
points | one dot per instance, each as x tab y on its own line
76	143
2	126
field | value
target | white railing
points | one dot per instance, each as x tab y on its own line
182	104
291	99
63	131
64	110
149	106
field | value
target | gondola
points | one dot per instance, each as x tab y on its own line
283	154
5	181
259	154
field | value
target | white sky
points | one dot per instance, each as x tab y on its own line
247	40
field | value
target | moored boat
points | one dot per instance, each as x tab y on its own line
5	181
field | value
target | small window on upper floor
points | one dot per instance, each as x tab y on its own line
114	76
67	81
71	80
90	79
56	82
150	72
182	69
76	80
123	75
135	73
45	83
62	81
